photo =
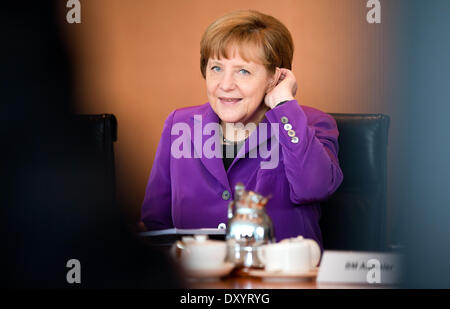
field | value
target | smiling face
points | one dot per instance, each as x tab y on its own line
236	88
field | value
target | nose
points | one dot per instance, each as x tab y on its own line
227	82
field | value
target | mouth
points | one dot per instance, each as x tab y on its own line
229	101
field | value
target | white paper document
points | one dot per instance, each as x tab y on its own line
175	231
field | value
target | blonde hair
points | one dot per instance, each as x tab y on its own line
248	28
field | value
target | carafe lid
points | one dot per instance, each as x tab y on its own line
249	198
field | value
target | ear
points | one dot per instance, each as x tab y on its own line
273	81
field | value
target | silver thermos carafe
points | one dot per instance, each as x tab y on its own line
248	227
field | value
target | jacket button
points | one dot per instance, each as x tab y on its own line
294	139
288	126
222	226
226	195
291	133
284	119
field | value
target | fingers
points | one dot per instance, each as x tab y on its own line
289	76
285	73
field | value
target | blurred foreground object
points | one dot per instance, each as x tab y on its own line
57	201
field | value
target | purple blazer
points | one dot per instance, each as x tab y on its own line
194	191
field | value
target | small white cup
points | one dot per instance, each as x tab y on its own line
314	247
293	255
289	257
200	253
297	258
271	256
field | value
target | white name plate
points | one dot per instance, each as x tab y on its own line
360	267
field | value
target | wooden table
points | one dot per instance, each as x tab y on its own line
240	280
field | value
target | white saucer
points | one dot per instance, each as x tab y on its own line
279	275
214	273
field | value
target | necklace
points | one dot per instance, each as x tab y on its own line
227	141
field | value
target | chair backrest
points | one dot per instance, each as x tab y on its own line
98	134
354	218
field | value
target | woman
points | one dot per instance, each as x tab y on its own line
246	60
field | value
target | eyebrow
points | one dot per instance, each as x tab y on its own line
234	66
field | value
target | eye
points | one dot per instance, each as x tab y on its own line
244	72
215	68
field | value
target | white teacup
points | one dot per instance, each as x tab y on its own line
295	255
286	257
314	248
200	252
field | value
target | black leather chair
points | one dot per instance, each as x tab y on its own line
97	135
354	218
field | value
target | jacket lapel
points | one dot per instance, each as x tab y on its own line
215	164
